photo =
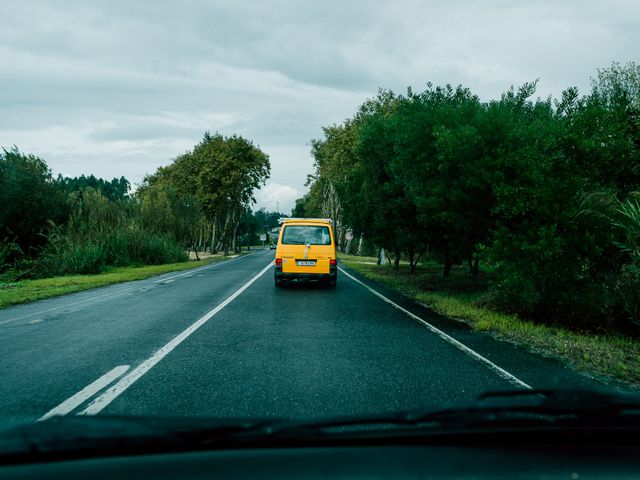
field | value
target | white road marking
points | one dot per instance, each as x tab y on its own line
116	390
124	290
84	300
206	267
37	320
87	392
447	338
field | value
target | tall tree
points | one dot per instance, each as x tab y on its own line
30	202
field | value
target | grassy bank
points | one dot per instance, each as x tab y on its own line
611	356
32	290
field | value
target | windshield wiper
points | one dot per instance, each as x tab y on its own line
524	415
508	411
90	436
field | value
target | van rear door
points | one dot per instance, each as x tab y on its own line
306	248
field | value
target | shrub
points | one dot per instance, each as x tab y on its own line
131	245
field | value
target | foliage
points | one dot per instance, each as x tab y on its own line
30	202
84	225
209	189
513	182
101	233
114	190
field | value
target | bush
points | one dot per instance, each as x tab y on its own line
515	292
61	256
135	245
65	255
10	252
628	289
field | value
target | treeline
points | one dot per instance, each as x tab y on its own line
60	225
544	191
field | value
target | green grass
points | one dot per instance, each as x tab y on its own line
354	258
31	290
606	356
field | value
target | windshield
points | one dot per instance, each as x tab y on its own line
301	235
465	174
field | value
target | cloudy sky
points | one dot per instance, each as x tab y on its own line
121	87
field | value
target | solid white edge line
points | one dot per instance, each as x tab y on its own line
447	338
116	390
87	392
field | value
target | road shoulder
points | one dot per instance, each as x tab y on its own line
28	291
559	347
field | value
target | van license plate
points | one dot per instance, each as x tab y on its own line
306	263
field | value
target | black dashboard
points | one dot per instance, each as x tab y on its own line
412	461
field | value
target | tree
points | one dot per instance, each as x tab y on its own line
30	202
221	173
116	190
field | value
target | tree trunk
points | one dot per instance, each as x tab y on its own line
396	261
195	250
235	238
476	267
213	236
411	254
381	256
413	261
447	268
448	262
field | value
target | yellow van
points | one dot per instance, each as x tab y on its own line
306	251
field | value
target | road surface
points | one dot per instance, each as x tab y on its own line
222	341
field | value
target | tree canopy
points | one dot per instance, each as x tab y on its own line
510	182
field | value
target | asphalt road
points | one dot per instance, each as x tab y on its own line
222	341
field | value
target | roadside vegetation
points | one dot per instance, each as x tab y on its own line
52	226
542	193
606	354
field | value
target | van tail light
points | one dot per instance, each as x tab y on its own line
278	262
333	262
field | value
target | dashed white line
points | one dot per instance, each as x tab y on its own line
206	267
84	300
87	392
447	338
125	382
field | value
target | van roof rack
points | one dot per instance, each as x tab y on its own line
287	219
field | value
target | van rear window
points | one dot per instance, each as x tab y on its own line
303	234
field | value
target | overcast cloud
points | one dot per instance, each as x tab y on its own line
121	87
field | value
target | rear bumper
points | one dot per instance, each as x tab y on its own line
305	277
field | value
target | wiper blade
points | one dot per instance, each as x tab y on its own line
577	403
500	409
73	436
563	400
494	412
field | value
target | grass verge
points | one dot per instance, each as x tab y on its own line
606	356
31	290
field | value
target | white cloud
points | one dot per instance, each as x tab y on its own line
117	88
277	197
